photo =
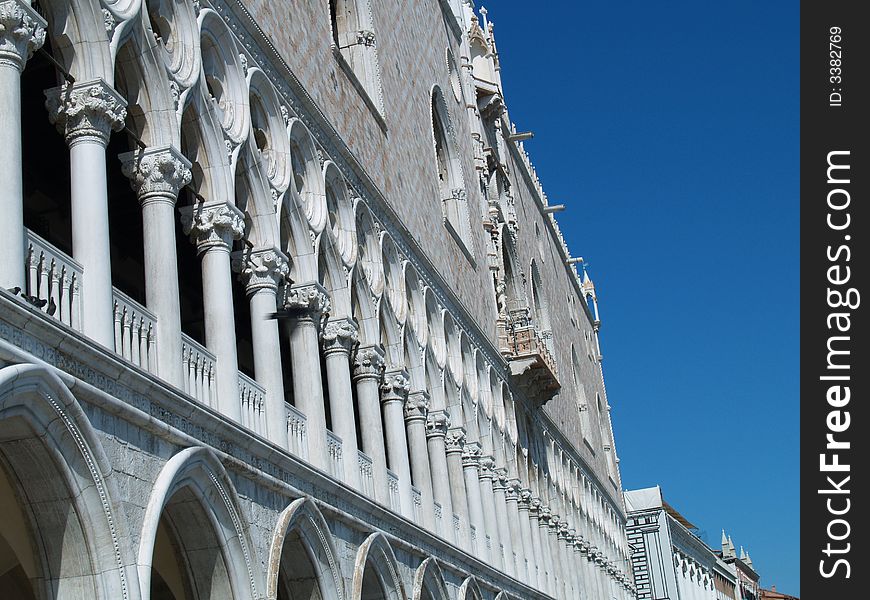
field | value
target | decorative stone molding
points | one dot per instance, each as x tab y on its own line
499	478
524	498
471	454
308	301
487	467
339	335
22	32
437	424
212	225
395	386
544	515
265	268
455	440
87	111
368	363
417	406
534	507
156	173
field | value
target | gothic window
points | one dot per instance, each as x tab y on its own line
451	186
582	402
353	38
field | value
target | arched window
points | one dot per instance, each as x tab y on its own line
353	41
451	186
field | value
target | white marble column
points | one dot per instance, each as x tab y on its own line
157	176
531	542
437	424
471	454
499	483
86	114
394	393
262	271
213	227
368	372
486	467
305	305
454	445
416	411
22	31
339	337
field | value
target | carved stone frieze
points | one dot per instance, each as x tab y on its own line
86	111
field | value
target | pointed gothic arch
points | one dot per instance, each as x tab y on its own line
376	571
429	582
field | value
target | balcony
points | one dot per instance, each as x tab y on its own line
532	366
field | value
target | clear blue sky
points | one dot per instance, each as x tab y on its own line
670	129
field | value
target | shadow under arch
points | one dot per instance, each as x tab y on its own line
51	451
429	582
376	573
195	500
303	525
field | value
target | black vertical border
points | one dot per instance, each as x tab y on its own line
826	128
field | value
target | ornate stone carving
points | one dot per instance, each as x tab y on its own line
307	301
499	478
339	335
395	386
265	268
212	225
417	406
455	440
487	467
544	515
471	454
368	363
22	32
365	37
90	110
437	424
524	498
158	173
109	22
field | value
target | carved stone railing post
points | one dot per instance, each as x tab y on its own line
367	375
307	304
157	175
212	228
394	393
86	114
22	31
338	338
262	271
437	424
416	411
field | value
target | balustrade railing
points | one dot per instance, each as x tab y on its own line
53	280
439	521
417	496
252	397
366	474
393	482
199	371
297	431
334	453
135	331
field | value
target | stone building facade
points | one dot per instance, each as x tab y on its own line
285	313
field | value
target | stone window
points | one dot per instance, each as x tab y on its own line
451	186
354	43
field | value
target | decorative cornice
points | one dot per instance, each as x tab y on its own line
87	111
212	225
157	173
368	363
417	406
395	386
22	32
264	268
307	301
471	454
455	440
437	423
339	336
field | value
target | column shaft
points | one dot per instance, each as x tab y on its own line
369	365
394	392
339	337
437	424
416	410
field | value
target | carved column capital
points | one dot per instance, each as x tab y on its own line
499	478
417	406
437	424
544	515
307	301
535	507
264	268
524	498
212	225
471	454
157	173
487	467
368	363
395	386
339	336
86	111
22	32
455	440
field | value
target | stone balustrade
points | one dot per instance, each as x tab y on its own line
135	331
252	397
199	367
52	281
